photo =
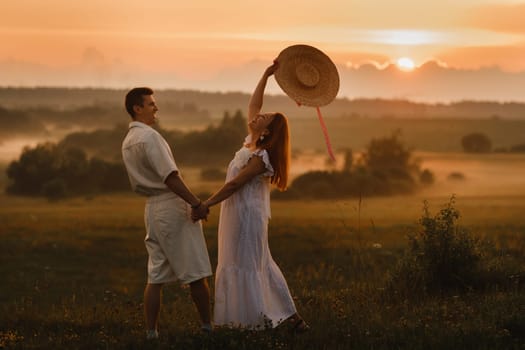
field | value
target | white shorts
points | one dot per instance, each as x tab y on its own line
176	246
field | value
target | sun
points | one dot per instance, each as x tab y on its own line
405	64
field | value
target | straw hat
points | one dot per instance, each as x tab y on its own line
307	75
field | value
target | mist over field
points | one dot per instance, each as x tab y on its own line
432	131
33	115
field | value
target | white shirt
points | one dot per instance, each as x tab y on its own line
148	159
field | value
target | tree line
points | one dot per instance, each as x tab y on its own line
217	102
42	120
54	171
90	162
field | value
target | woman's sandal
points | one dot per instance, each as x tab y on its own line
300	327
296	325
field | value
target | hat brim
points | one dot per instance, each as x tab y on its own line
324	91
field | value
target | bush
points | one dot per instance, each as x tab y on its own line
520	148
54	189
441	256
476	143
389	155
456	176
386	168
316	184
426	177
55	171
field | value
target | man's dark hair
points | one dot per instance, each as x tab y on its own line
134	98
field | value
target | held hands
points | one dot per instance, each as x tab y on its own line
200	212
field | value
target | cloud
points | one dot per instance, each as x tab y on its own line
512	58
432	82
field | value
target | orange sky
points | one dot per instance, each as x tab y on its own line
195	40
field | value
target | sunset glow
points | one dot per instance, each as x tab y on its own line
122	43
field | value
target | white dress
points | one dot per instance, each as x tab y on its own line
250	289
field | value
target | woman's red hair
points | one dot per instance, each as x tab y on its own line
277	144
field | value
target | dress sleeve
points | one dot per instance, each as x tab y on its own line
266	159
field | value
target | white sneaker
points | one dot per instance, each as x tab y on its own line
206	328
152	334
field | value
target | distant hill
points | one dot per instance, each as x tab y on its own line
431	82
175	104
52	113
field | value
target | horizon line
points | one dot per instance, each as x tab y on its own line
339	98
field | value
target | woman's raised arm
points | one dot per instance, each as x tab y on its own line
256	101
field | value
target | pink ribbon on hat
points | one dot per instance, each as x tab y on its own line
325	132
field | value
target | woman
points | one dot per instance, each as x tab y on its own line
250	290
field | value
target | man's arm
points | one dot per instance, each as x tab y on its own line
177	186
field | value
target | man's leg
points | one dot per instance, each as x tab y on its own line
152	297
200	293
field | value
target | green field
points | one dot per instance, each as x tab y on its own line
74	270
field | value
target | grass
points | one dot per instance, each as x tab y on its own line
74	272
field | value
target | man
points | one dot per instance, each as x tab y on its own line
175	244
